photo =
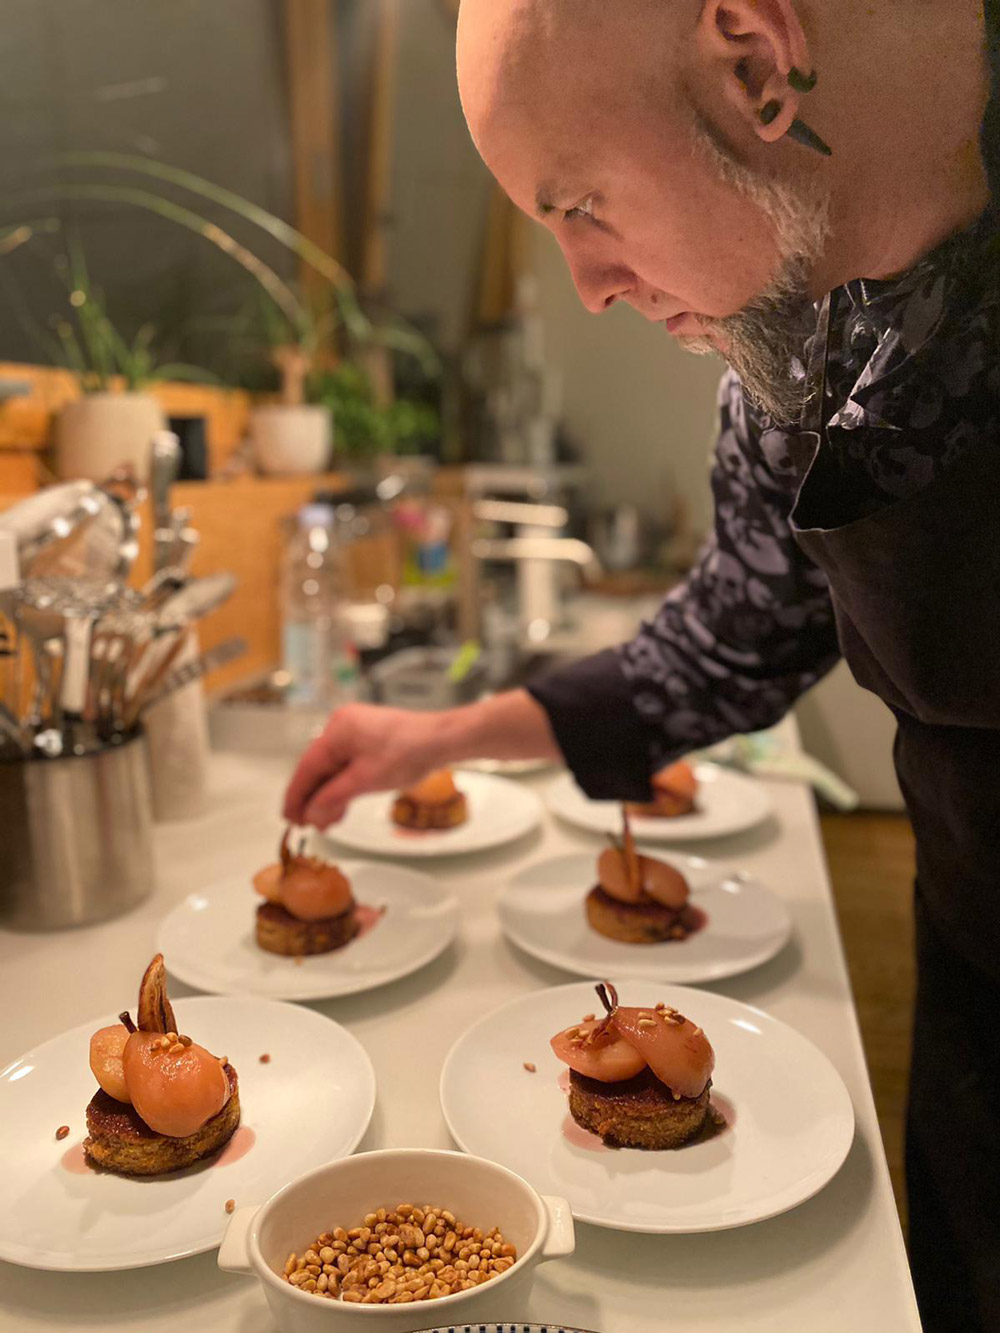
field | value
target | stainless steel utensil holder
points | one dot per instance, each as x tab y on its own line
75	837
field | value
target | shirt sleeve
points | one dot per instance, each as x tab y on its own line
728	652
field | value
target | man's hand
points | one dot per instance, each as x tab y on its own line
365	748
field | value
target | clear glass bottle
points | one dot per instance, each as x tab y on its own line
317	654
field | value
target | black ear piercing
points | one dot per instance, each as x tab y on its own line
798	130
802	83
808	138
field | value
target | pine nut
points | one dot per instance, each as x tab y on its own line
400	1256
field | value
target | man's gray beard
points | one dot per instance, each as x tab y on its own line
765	341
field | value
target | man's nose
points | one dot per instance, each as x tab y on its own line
600	285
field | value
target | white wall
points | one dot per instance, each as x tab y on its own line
641	410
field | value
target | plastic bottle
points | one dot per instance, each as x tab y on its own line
317	654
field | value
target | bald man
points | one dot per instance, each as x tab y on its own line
809	187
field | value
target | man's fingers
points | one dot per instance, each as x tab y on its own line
322	761
327	805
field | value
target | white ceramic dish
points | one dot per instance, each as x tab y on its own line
727	803
311	1102
508	768
259	1240
542	911
209	938
791	1122
499	812
509	1326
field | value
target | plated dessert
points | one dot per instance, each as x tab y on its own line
675	790
164	1102
639	899
433	803
639	1078
309	906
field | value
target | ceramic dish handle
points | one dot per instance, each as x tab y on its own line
560	1239
233	1256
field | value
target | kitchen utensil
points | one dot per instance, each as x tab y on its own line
789	1119
49	516
408	919
310	1104
76	835
75	530
194	600
165	458
258	1239
78	633
12	734
224	652
163	584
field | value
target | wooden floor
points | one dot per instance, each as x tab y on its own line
871	864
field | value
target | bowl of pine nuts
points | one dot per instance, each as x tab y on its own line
378	1237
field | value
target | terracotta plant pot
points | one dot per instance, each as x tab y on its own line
101	431
291	441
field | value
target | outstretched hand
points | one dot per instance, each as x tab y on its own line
363	748
366	748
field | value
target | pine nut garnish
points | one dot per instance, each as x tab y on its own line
230	1205
532	1069
400	1256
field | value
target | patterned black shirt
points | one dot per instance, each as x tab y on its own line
913	381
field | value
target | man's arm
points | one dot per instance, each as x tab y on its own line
730	651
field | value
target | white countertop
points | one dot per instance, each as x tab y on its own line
836	1262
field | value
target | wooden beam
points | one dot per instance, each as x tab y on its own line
314	111
378	182
504	260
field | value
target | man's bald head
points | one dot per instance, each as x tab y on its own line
570	66
650	137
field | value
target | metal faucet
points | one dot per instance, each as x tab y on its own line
537	553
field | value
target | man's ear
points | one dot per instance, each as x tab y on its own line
759	50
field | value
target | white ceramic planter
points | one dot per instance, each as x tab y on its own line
291	440
259	1240
101	431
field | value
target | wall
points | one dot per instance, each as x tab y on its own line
198	83
641	410
440	188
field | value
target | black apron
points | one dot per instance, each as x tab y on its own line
916	592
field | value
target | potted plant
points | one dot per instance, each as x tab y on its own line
293	433
113	421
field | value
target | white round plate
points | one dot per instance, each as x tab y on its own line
209	943
791	1121
309	1104
508	768
727	803
514	1327
542	911
499	811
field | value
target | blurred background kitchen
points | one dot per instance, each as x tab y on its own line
347	431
